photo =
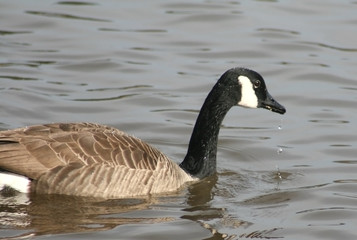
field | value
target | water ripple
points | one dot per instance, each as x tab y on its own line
66	16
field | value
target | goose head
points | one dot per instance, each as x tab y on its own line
246	88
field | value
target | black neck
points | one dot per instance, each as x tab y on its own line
200	160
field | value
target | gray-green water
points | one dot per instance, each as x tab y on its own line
146	67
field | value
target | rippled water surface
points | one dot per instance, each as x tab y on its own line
146	67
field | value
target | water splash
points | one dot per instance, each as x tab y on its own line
279	151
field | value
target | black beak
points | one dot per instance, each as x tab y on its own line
272	105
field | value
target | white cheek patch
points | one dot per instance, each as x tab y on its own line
249	98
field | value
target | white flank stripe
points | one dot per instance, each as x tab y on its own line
249	98
17	182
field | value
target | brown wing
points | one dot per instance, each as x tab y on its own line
33	151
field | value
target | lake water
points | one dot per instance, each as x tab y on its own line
146	67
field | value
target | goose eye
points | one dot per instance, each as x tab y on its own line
256	83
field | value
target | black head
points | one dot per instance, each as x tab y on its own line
252	90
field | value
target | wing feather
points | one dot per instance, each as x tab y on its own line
51	145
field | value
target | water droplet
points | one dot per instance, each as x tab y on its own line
280	150
278	173
280	126
279	176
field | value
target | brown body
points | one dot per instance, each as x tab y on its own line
87	159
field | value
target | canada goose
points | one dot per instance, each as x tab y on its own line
87	159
